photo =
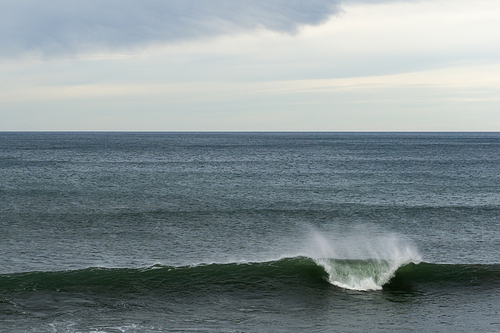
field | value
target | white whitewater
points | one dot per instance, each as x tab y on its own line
363	259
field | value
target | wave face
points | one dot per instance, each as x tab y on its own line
445	275
289	274
205	277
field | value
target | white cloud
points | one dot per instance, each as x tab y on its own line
448	99
365	40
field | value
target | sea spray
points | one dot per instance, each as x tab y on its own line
364	258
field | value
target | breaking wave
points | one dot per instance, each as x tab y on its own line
288	274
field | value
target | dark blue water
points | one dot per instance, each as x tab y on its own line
249	232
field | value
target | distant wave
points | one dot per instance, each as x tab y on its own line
287	273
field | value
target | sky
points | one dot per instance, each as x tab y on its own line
261	65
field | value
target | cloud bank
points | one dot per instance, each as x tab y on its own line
62	27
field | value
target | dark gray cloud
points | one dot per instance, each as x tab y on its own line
62	27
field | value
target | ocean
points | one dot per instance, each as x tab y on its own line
249	232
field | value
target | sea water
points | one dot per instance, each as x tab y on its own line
249	232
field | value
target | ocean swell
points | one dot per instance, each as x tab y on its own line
287	274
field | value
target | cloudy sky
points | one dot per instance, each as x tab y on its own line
250	65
